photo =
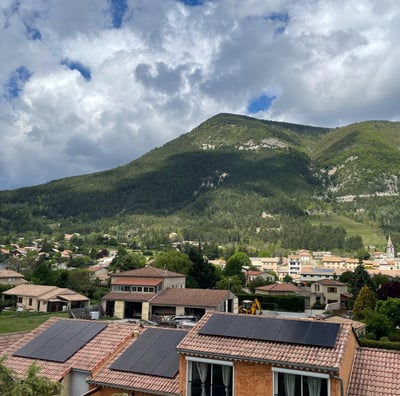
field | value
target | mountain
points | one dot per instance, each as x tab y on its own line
232	177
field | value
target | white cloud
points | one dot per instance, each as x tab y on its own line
170	67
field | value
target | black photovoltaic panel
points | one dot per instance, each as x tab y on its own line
60	341
269	329
153	353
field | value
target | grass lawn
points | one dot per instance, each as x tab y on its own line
11	321
370	235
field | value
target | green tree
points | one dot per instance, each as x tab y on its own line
365	299
79	281
377	323
233	283
353	243
391	309
44	275
257	282
203	273
126	261
33	384
234	266
175	261
380	280
361	278
346	276
287	279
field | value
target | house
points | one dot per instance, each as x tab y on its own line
330	291
98	273
223	354
266	263
252	275
42	298
325	291
146	365
10	277
86	345
294	264
192	302
277	289
132	290
314	274
267	356
149	291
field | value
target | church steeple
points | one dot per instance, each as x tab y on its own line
390	249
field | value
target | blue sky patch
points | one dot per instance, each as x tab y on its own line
118	9
261	103
72	65
281	20
192	3
16	82
33	33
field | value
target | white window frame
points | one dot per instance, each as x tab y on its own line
190	360
276	370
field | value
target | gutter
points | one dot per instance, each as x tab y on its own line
257	360
340	379
100	385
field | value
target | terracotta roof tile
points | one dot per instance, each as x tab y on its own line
10	274
30	290
97	350
314	357
134	381
150	272
375	372
330	282
279	287
191	297
122	296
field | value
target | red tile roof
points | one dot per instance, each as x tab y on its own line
279	287
204	298
101	347
149	272
330	282
313	357
122	296
133	381
375	372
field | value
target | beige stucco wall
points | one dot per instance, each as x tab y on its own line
119	308
174	282
145	310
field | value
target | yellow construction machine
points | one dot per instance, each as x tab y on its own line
250	307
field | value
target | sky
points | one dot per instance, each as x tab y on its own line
89	85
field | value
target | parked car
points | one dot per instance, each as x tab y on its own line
176	320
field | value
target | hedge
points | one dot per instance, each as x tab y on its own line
290	303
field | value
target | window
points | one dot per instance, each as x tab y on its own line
332	290
317	288
209	378
20	300
30	302
300	383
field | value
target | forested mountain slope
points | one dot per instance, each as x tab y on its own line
233	176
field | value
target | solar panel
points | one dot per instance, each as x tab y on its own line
153	353
270	329
60	341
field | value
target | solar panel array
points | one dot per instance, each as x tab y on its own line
269	329
61	340
153	353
